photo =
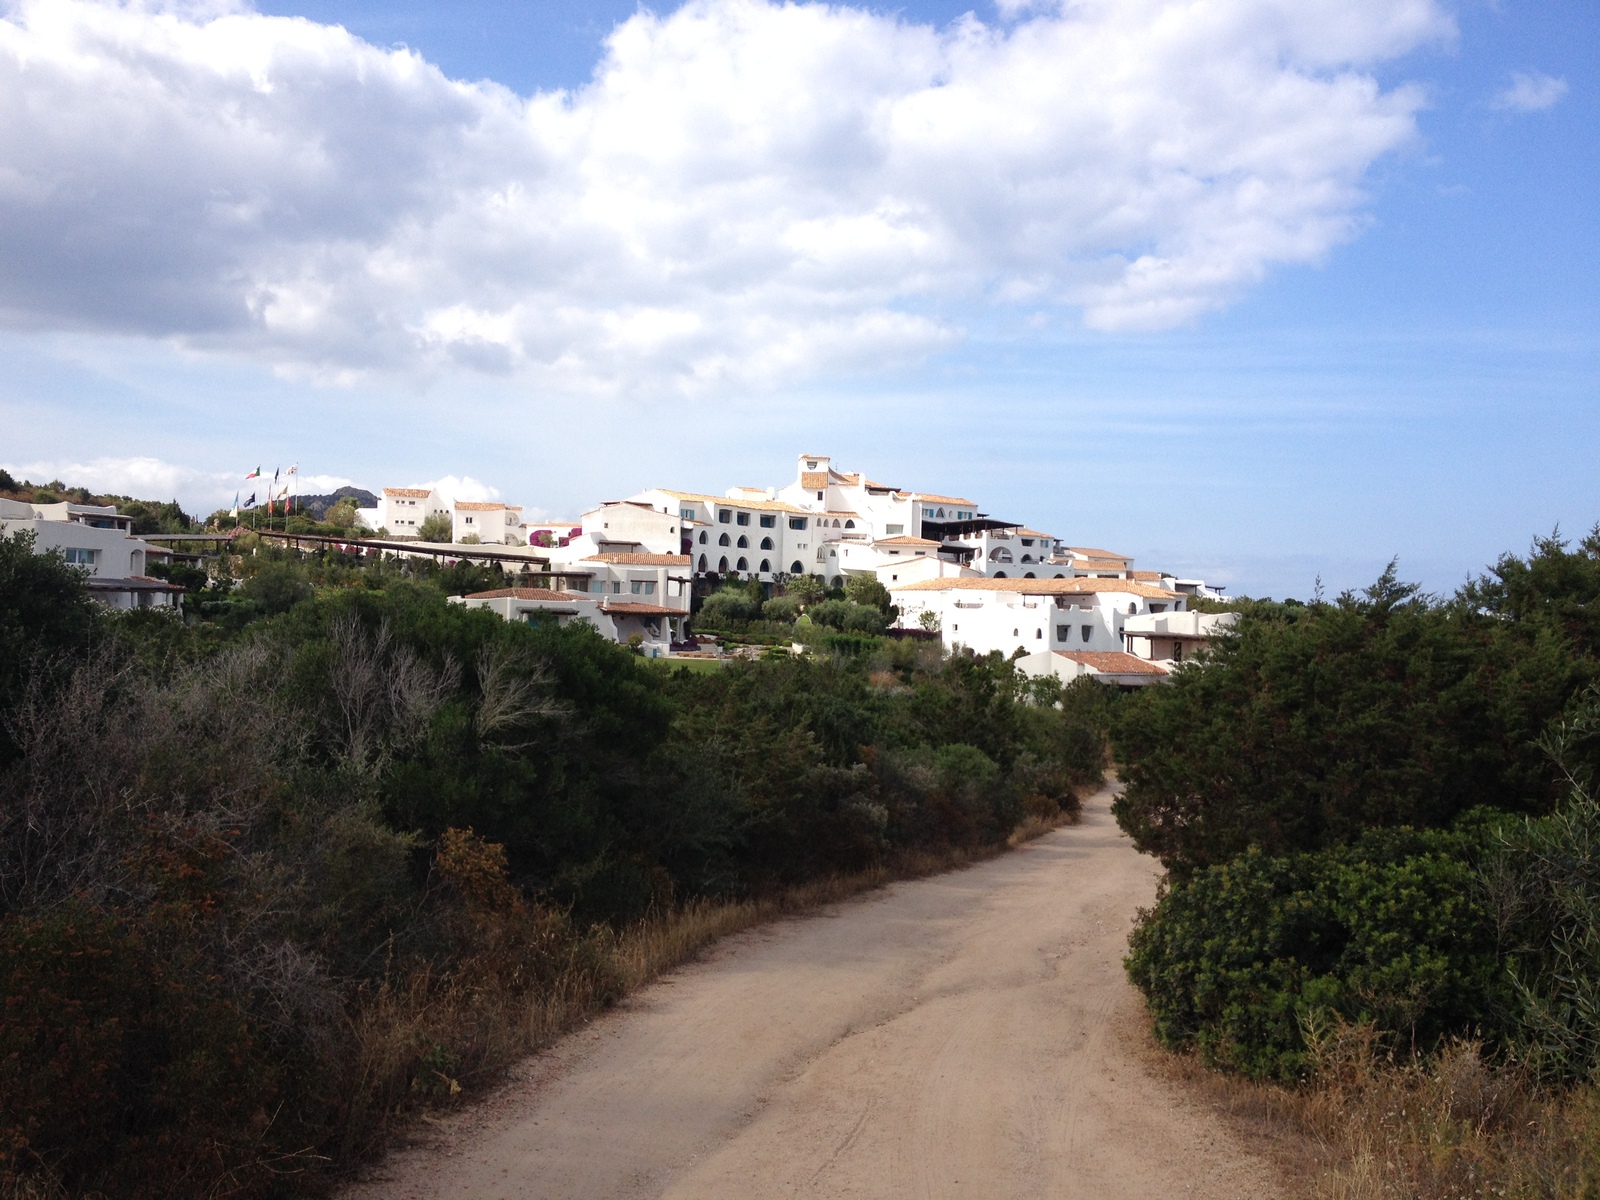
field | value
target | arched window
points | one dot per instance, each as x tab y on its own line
766	543
724	541
1030	574
702	564
743	565
744	542
1058	574
999	554
766	566
702	537
1132	608
796	568
999	575
723	564
1028	558
940	514
836	522
849	524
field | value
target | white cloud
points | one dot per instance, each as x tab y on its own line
200	492
459	487
745	194
141	478
1530	91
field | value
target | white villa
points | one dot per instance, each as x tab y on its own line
490	522
101	541
403	510
621	595
986	614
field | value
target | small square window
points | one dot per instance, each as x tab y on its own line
768	520
744	519
724	516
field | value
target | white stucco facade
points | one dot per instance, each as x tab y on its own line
97	540
1029	615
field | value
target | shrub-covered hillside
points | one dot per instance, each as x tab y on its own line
336	846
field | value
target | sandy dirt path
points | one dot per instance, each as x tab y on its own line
968	1035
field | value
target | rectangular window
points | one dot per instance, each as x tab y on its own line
797	522
744	519
1063	632
927	512
1088	631
686	513
768	521
79	557
577	585
894	530
616	585
724	516
637	588
650	587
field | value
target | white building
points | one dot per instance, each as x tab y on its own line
747	532
1174	637
1103	666
1029	615
402	511
620	595
490	522
100	541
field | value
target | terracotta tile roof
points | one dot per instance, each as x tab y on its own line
813	480
1113	662
848	480
882	487
641	560
936	499
628	608
907	541
1039	587
729	502
1146	576
421	493
478	506
1030	533
526	594
1091	552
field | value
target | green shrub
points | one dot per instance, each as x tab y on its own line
781	608
1396	930
731	604
1311	724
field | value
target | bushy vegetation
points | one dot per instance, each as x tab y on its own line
1379	821
335	847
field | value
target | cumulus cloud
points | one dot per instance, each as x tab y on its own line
459	487
1530	91
745	193
141	477
199	491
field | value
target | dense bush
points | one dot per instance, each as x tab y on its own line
1313	723
268	875
1395	930
1342	792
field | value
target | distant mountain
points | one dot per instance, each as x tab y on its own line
318	506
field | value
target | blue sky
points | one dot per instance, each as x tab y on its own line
1399	358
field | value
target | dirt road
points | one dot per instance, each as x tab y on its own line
969	1035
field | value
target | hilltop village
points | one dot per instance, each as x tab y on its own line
633	568
640	569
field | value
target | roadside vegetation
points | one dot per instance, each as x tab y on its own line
1382	912
331	849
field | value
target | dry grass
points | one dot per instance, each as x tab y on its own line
1448	1127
